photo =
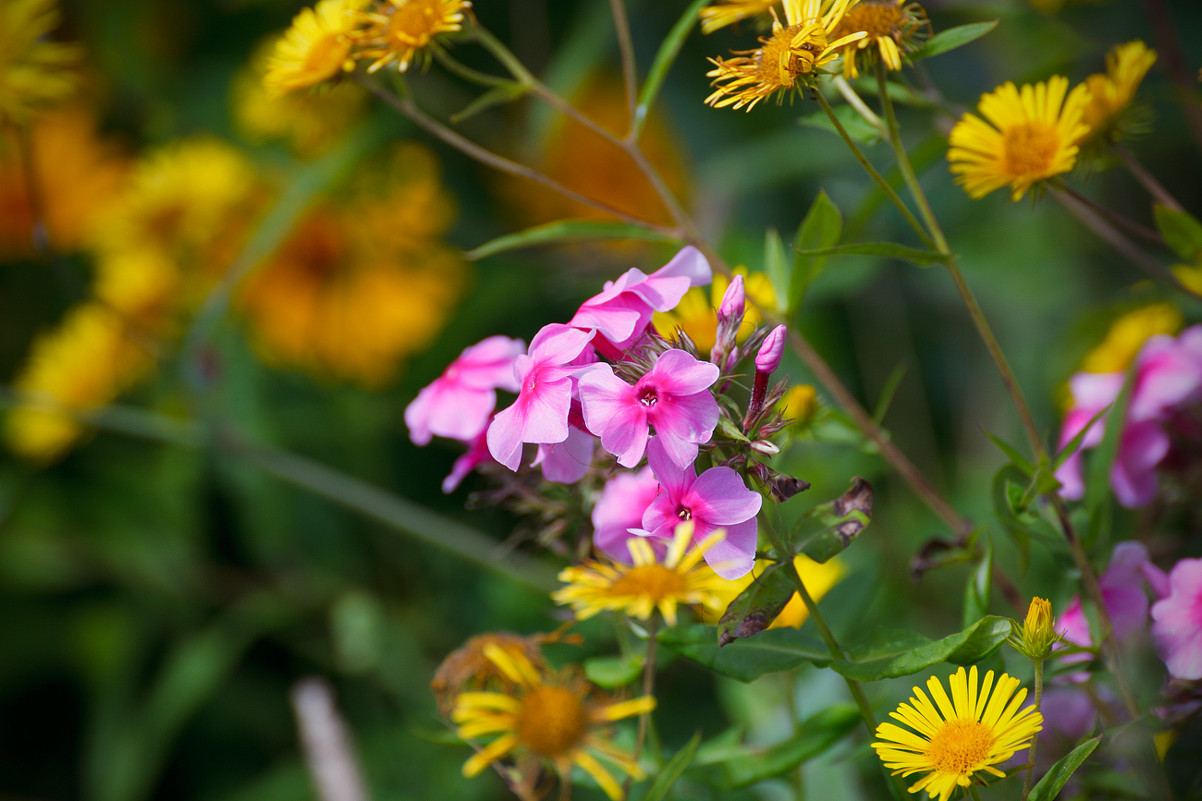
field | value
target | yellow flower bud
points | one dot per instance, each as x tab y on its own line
1038	632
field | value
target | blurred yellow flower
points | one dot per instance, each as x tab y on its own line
793	52
314	49
892	26
76	368
696	314
1031	135
800	404
819	578
468	668
1128	334
1111	92
403	30
728	12
34	72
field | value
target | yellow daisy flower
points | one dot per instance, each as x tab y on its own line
957	737
402	30
696	314
1128	334
638	590
793	52
34	72
314	49
554	719
1112	92
1031	135
728	12
893	26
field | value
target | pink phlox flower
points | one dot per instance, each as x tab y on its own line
1123	592
1177	621
566	462
545	378
622	310
619	509
717	498
477	454
459	402
673	396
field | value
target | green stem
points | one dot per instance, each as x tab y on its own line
1034	740
972	790
626	48
648	689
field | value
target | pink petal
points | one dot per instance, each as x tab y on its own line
678	373
558	344
724	497
675	480
566	462
690	263
504	436
734	556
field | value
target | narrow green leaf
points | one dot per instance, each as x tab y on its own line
970	645
498	95
758	605
978	589
1013	455
562	231
664	58
1097	484
952	38
612	672
819	229
746	660
751	764
779	267
887	250
1074	444
671	771
1053	782
858	128
1181	231
887	393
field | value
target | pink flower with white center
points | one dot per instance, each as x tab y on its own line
459	402
717	498
620	508
622	310
540	413
673	396
1177	621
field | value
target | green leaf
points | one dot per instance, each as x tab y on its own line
664	58
498	95
858	128
758	605
887	393
1181	231
1097	483
745	660
749	765
1074	444
887	250
902	658
952	38
1053	782
829	528
978	589
819	229
612	672
1013	455
562	231
779	267
671	771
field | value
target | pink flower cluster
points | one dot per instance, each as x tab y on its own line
570	398
1165	403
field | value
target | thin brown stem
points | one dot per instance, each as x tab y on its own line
1146	179
1114	218
626	48
1174	62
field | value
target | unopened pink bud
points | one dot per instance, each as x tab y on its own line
768	359
733	300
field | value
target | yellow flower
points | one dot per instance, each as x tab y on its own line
793	52
314	49
957	737
76	368
800	404
819	578
894	26
1110	93
1128	334
1031	135
553	719
142	285
728	12
403	30
469	668
34	72
638	590
696	314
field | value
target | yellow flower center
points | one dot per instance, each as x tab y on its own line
877	19
551	721
327	55
1029	148
652	581
960	746
780	60
415	23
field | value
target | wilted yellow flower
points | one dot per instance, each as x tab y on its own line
34	72
1111	92
557	719
1031	135
792	53
314	49
819	578
728	12
1128	334
696	314
403	30
956	737
892	26
76	368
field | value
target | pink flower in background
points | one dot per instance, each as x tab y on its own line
716	499
673	396
477	454
621	311
566	462
458	403
1177	621
620	508
540	413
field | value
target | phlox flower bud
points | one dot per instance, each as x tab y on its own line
768	359
733	301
